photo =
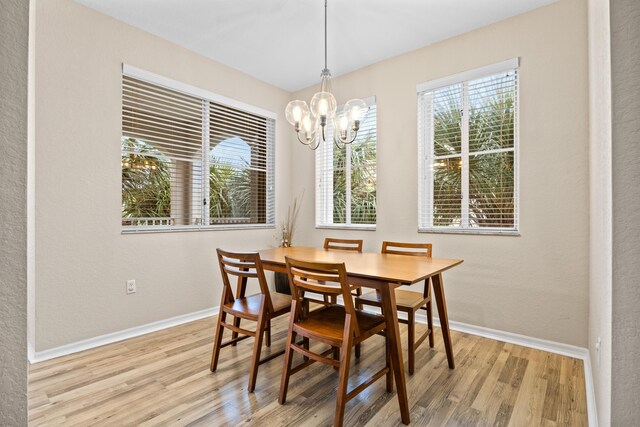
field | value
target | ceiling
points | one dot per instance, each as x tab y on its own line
281	41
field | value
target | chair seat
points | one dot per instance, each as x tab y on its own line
250	306
329	323
405	300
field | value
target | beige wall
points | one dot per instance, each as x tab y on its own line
82	259
14	35
600	258
536	284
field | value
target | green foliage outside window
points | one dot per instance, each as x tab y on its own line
491	175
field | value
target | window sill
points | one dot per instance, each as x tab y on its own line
348	227
186	228
492	232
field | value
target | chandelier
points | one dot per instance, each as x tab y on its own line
310	121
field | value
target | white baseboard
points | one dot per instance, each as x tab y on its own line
509	337
40	356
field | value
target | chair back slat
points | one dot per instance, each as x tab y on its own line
238	263
243	265
343	244
240	273
411	249
316	276
322	278
323	288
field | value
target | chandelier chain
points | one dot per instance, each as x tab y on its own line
325	34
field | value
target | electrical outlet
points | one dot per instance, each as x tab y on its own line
131	287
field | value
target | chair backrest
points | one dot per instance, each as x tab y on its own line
243	265
343	244
322	278
412	249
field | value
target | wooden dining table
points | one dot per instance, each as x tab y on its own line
384	273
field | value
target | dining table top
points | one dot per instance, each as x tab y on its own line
391	268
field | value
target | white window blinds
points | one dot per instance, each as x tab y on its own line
346	178
190	162
468	130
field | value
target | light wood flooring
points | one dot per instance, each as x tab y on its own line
163	378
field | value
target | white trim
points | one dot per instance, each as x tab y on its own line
509	64
189	228
361	227
513	338
40	356
477	231
592	408
30	352
131	71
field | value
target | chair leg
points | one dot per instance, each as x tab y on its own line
387	346
268	333
236	323
305	345
430	323
411	317
257	347
218	341
288	358
336	356
359	306
343	380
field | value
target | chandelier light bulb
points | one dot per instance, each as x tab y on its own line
343	123
357	109
307	124
323	107
295	111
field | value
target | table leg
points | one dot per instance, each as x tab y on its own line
438	290
388	300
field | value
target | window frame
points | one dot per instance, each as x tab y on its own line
207	97
426	157
327	197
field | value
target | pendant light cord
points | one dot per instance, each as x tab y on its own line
325	34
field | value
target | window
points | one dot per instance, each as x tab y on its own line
468	140
192	159
346	178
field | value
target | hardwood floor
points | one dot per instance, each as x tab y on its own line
163	378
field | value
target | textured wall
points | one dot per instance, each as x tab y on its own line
14	31
536	284
600	256
83	260
625	79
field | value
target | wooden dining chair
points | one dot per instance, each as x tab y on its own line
333	244
407	301
260	308
337	326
